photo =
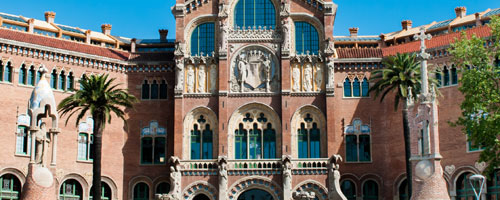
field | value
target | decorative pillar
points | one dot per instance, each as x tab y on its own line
33	131
334	191
428	181
287	177
54	133
222	177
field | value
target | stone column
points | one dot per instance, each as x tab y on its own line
334	191
54	133
33	144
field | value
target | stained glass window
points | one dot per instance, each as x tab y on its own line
153	144
357	142
255	13
309	136
203	39
306	38
249	143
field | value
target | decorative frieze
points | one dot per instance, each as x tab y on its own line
307	73
254	34
254	69
200	74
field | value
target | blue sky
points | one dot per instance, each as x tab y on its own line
142	19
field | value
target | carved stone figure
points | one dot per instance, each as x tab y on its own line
285	9
318	79
201	79
253	71
331	73
296	79
223	10
42	141
175	179
287	177
285	25
242	69
267	71
213	78
329	46
190	79
179	49
179	74
222	178
224	32
334	191
304	195
308	78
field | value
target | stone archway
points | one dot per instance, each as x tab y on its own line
302	116
319	190
250	117
201	117
259	183
199	188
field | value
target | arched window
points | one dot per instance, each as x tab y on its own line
145	90
70	81
53	79
439	79
253	133
255	13
365	87
309	138
454	75
255	194
163	89
84	77
201	140
349	189
86	140
370	190
357	142
347	88
32	76
201	197
8	73
356	88
446	78
141	191
153	144
22	75
494	185
162	188
1	71
10	188
105	192
464	188
403	190
154	90
71	190
203	39
62	81
306	38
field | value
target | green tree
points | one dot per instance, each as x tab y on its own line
101	98
401	76
479	84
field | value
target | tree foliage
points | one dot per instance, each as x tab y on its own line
479	83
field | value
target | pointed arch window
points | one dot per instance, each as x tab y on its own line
370	190
62	81
203	39
201	140
254	133
86	140
53	79
357	142
306	38
22	75
10	187
439	79
347	88
356	88
255	13
70	82
454	76
163	89
446	78
154	90
145	90
23	139
153	144
309	138
32	76
70	190
365	87
8	73
349	189
141	191
464	188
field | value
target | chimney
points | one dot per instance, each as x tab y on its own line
478	19
31	25
406	24
382	40
106	29
460	11
354	32
132	45
87	36
50	16
163	34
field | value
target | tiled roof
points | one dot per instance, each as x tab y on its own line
154	41
164	56
359	53
62	44
492	12
438	41
440	24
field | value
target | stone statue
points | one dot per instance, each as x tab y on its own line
42	140
318	79
242	69
304	195
222	178
296	79
224	33
267	71
329	46
175	179
285	9
223	10
331	73
213	78
179	74
179	49
201	79
285	25
334	191
190	79
287	176
308	78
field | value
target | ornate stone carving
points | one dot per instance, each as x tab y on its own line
331	73
304	195
480	166
223	10
318	78
42	142
334	191
175	179
308	78
190	79
222	178
329	47
307	73
285	27
179	49
201	79
287	176
285	9
213	78
253	71
296	79
254	34
179	74
223	34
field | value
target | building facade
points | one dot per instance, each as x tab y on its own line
253	98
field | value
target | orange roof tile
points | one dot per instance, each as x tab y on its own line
438	41
359	53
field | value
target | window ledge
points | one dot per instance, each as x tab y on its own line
6	83
475	151
25	85
368	97
359	162
85	161
22	155
152	165
448	86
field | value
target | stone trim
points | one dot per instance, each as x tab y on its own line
17	173
188	122
312	186
200	187
136	180
255	182
318	117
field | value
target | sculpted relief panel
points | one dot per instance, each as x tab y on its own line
307	76
254	69
200	76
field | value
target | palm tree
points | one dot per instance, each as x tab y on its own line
100	97
400	76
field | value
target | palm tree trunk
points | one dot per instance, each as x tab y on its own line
96	167
406	134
